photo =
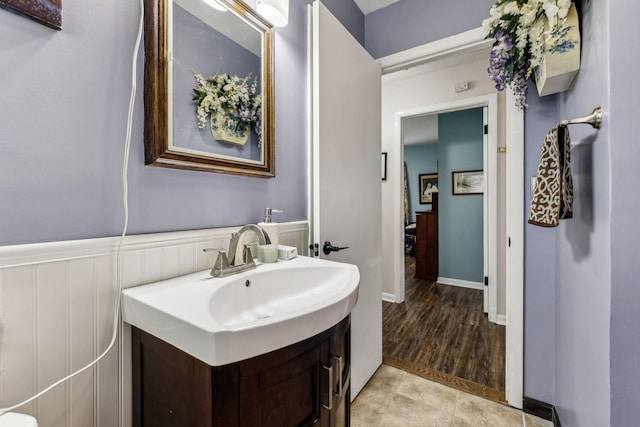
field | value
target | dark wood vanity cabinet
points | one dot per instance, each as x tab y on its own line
304	384
427	245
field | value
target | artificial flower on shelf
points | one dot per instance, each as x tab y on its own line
231	102
523	30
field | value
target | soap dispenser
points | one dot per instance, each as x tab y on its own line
271	227
269	253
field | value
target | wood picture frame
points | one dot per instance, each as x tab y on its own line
428	184
46	12
467	182
161	147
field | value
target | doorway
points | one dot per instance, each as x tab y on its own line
426	76
440	330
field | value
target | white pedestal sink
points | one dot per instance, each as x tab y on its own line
225	320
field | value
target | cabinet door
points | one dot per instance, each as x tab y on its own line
289	394
427	246
170	387
341	365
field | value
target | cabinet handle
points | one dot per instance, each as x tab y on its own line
339	361
347	381
330	389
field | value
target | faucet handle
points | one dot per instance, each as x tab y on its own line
247	255
221	252
221	264
214	249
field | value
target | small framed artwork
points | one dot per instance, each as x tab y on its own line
467	182
384	166
428	186
46	12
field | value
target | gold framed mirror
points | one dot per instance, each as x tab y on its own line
208	87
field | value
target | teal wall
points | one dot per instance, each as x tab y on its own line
420	159
460	218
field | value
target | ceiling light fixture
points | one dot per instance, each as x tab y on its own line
214	4
274	11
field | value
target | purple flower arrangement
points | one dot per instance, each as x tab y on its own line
520	29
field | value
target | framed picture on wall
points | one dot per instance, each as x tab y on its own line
46	12
428	186
467	182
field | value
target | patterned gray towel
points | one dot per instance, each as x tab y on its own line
553	196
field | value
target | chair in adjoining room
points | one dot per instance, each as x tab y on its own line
410	239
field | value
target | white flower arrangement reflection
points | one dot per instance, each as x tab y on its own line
229	96
518	28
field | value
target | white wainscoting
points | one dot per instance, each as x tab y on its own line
56	311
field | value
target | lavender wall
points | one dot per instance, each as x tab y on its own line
411	23
540	261
625	268
583	267
63	102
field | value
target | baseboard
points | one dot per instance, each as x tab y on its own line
541	409
501	319
460	283
388	297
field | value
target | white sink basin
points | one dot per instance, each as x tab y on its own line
225	320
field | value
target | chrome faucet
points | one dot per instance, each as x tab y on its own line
263	239
226	263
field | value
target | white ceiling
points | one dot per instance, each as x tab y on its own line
418	130
368	6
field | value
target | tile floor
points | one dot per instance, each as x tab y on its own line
394	398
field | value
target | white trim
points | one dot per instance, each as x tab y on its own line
489	100
514	369
501	319
314	147
310	131
485	208
37	253
468	41
460	283
389	297
491	198
398	214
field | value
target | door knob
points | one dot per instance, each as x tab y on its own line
328	248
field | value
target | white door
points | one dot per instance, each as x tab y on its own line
346	178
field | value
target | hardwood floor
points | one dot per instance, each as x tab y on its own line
440	332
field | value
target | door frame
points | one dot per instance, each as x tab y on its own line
445	49
490	199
